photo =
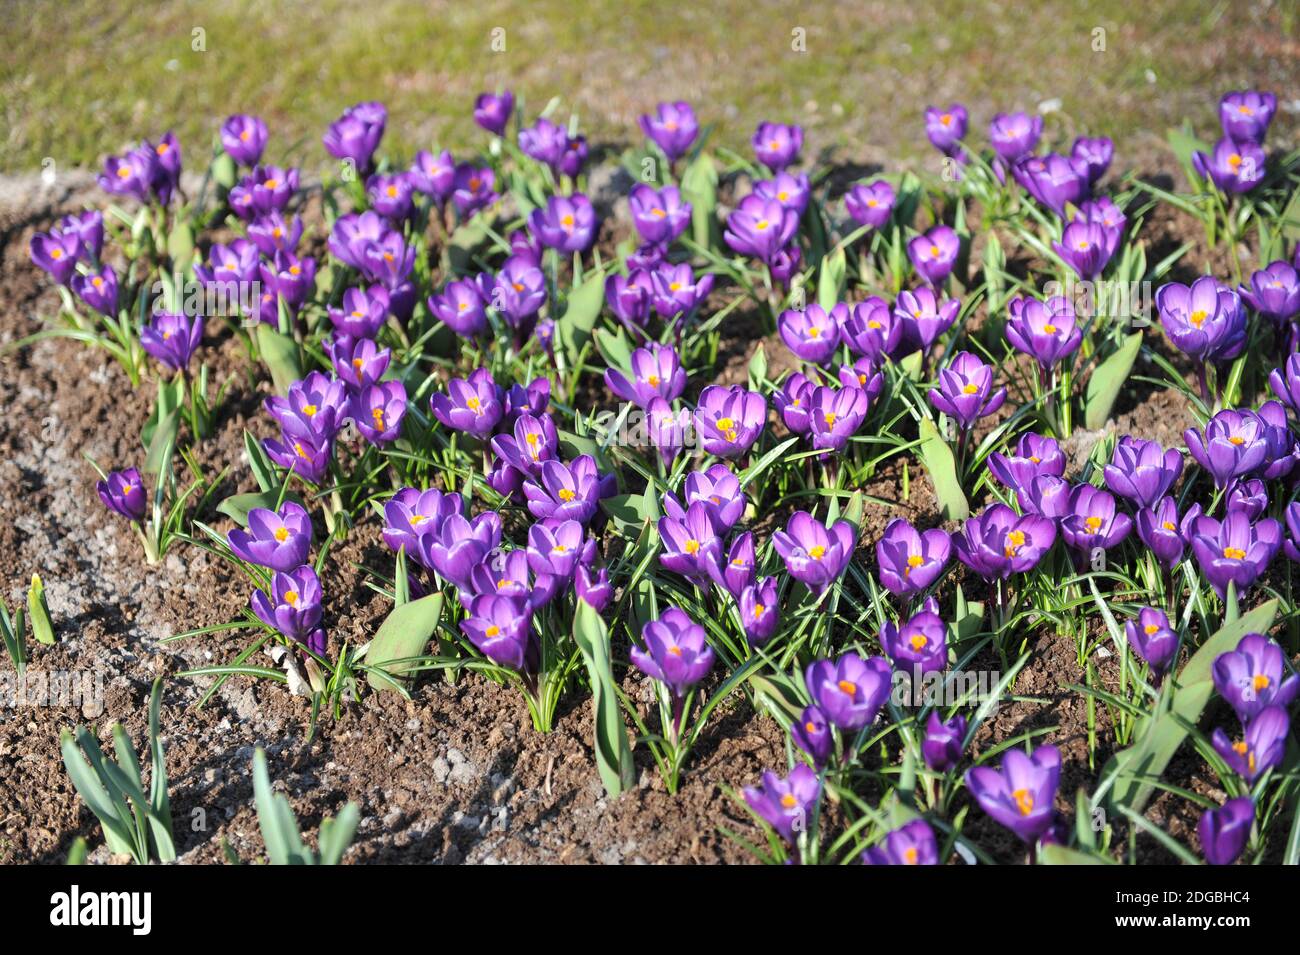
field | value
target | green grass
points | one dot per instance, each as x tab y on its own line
79	80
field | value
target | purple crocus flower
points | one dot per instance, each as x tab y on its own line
1015	135
666	429
293	606
812	333
1158	528
302	454
1085	247
56	253
265	190
718	489
675	290
502	630
1142	471
353	234
434	175
412	517
390	195
791	191
534	441
355	135
760	228
946	128
998	542
777	145
629	297
691	545
1046	331
545	142
677	653
864	375
359	363
519	292
593	588
314	408
229	266
1233	167
1245	114
656	371
1253	677
1054	180
870	204
1283	453
279	539
462	307
814	554
1154	640
1274	292
271	235
567	491
131	174
98	290
574	156
88	228
934	253
910	844
786	804
123	493
1019	796
243	138
363	313
473	188
759	613
672	128
909	561
792	402
1092	156
492	111
660	215
1035	455
834	415
729	420
1206	321
555	548
457	545
1047	496
965	391
1233	550
472	406
378	411
1250	497
1292	543
944	741
1233	445
850	691
812	733
290	278
568	223
734	572
1263	745
919	644
1225	831
871	329
172	338
923	318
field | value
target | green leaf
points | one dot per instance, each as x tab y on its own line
630	512
1159	735
1183	143
405	632
1106	381
275	818
942	468
614	348
336	834
38	612
613	753
700	189
758	368
1060	855
465	241
779	694
180	245
573	329
280	353
237	506
160	817
830	279
162	443
259	463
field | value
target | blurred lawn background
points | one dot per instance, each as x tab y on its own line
82	79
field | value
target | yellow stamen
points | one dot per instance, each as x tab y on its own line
282	534
848	688
1024	801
